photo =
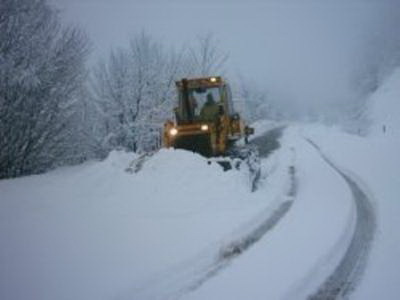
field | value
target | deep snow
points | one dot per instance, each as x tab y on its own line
97	232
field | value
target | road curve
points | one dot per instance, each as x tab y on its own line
348	273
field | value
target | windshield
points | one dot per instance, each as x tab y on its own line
203	97
200	104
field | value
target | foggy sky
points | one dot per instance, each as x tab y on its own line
304	51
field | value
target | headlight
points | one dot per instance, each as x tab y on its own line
173	131
213	79
204	127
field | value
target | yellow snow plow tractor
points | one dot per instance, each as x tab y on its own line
205	119
207	123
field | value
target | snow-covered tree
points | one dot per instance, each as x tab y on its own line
205	57
134	91
41	75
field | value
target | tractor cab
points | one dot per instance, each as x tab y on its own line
202	100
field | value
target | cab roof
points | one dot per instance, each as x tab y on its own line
203	82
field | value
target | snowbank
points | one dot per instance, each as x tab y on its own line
97	232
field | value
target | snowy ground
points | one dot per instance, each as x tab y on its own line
326	210
97	232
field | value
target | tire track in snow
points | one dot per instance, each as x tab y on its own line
347	274
235	248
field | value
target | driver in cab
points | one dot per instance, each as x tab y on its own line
210	109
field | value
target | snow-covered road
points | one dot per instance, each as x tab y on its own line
294	259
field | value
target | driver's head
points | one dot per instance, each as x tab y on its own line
210	99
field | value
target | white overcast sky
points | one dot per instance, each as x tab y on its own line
303	47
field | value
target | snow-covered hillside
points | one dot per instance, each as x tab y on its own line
385	107
326	207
